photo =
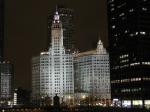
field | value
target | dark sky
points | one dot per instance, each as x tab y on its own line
26	30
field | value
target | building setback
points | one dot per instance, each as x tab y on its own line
92	74
129	43
52	71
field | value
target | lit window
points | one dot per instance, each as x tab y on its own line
126	31
123	61
137	102
131	35
122	14
115	35
143	33
113	18
146	63
113	26
135	79
124	56
144	9
121	5
134	64
131	10
112	9
136	33
112	5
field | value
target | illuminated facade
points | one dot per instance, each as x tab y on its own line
129	42
92	74
52	71
6	83
66	18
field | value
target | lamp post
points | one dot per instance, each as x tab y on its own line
69	99
83	98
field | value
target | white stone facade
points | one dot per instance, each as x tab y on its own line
53	71
92	73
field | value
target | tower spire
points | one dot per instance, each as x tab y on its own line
56	8
56	16
100	47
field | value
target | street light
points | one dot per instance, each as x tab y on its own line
83	97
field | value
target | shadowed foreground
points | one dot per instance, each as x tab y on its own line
74	109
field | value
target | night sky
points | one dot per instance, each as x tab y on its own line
26	30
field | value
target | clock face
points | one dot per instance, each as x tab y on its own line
56	17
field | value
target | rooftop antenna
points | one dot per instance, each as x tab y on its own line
56	8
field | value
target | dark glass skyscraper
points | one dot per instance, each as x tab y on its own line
129	43
66	17
1	28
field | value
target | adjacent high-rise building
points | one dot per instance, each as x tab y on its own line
129	43
21	97
66	17
53	71
1	28
92	74
6	69
6	83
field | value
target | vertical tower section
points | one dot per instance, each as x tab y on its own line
56	56
66	16
61	63
56	34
